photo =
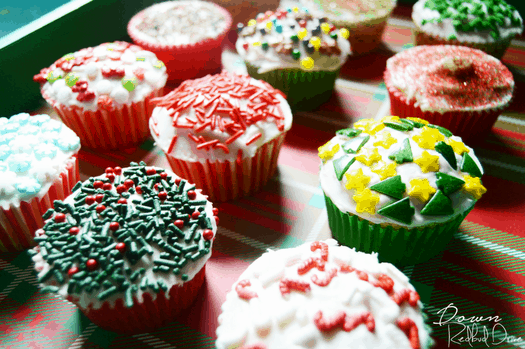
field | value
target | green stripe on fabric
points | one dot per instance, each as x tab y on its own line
182	336
496	236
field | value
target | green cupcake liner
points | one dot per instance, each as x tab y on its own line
305	90
396	245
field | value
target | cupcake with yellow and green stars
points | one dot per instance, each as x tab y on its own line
398	187
297	53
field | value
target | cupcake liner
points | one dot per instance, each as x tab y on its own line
148	315
472	126
228	180
188	61
364	36
496	49
304	90
19	223
397	245
106	129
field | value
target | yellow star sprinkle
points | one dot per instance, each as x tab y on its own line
428	137
385	171
252	22
366	201
307	63
344	33
473	186
369	126
421	121
368	156
356	180
326	152
421	189
390	118
427	162
458	147
386	141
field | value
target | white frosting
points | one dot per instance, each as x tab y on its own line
85	299
445	28
180	22
278	321
146	72
350	12
34	150
270	59
186	149
342	197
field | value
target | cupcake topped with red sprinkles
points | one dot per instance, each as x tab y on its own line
321	295
130	232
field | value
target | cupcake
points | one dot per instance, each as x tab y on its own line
483	24
223	132
321	295
459	88
186	35
38	164
364	19
296	53
398	187
128	247
242	10
102	93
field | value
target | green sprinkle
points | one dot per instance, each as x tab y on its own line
49	289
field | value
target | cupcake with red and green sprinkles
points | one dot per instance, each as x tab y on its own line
398	186
103	93
296	53
223	132
457	87
128	247
487	25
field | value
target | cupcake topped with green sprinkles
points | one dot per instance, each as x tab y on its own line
125	233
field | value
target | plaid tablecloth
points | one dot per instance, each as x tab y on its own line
479	276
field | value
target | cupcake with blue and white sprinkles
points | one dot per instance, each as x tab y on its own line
38	165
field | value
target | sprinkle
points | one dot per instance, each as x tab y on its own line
243	292
307	63
285	285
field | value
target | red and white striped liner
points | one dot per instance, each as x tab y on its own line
472	126
19	223
228	180
118	128
148	315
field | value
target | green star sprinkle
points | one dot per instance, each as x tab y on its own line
448	184
404	154
401	211
353	145
439	205
392	187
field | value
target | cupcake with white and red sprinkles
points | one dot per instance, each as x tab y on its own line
321	295
186	35
459	88
102	93
297	53
128	247
38	164
223	132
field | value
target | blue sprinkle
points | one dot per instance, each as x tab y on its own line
8	137
52	125
29	186
289	9
68	144
29	130
5	151
3	167
10	127
279	28
46	151
19	163
38	120
21	118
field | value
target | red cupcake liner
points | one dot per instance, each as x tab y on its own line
228	180
148	315
106	129
19	223
472	126
190	61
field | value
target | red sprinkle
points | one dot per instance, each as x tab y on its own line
151	171
356	320
163	195
178	180
111	72
110	176
325	325
114	226
92	264
207	234
73	270
107	186
164	175
121	247
60	217
385	282
216	220
191	194
117	170
109	170
285	285
406	295
74	230
138	189
215	211
121	188
409	327
179	223
98	184
244	293
309	264
100	208
90	200
129	183
195	214
122	201
322	246
329	275
99	198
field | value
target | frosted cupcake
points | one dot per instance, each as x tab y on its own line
459	88
482	24
129	247
102	93
365	19
223	132
38	164
296	53
321	295
186	35
399	187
